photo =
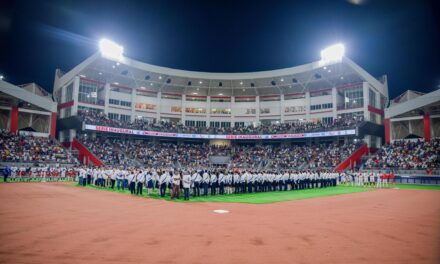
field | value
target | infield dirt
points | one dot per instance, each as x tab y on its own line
60	223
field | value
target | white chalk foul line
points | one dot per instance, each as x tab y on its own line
221	211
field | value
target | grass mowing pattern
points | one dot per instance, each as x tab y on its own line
254	198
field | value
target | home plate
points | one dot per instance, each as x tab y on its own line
221	211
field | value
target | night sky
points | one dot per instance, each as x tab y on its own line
397	38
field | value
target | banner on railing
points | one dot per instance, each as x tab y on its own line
211	136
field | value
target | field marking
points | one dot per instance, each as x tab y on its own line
221	211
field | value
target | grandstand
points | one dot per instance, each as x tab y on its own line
323	103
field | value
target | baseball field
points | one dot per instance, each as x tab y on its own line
64	223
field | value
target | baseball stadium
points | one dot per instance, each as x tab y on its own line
127	162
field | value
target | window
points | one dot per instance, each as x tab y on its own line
250	111
151	107
125	103
172	96
225	124
69	93
113	116
176	109
327	106
327	120
269	98
221	99
200	123
242	99
295	109
315	107
224	111
321	93
67	112
125	118
214	124
89	92
89	109
294	96
190	123
146	93
113	101
372	98
354	98
358	115
239	124
196	98
193	110
264	110
119	89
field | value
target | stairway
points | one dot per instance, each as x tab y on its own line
85	156
354	158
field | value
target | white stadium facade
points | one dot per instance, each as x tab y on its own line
126	89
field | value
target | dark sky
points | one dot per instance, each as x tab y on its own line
398	38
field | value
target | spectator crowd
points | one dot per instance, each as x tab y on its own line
99	118
20	148
407	155
185	155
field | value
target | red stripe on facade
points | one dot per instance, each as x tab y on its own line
65	105
375	110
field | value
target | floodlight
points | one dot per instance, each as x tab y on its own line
110	49
333	53
2	77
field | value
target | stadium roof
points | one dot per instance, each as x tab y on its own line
135	74
406	96
12	95
415	104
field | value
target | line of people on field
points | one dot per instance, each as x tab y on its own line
368	179
39	173
205	182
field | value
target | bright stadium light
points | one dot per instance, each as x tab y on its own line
333	53
110	49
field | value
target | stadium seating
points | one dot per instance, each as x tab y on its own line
99	118
160	154
19	148
406	155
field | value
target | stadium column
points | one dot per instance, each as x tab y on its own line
387	124
133	104
334	102
257	111
106	97
365	95
75	97
182	107
53	124
427	126
159	106
282	108
308	106
14	120
208	111
62	112
232	111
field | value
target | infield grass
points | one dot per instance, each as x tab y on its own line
252	198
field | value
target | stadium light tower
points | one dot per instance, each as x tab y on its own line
110	49
333	53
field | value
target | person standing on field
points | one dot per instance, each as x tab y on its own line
176	186
140	179
186	185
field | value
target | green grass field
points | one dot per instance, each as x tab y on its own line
253	198
418	187
267	197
